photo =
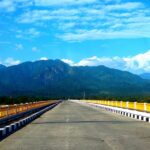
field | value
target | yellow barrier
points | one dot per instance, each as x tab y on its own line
140	106
148	108
131	105
128	105
9	110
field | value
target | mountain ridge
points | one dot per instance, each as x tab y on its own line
2	66
54	78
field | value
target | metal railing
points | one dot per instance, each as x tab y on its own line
127	105
8	110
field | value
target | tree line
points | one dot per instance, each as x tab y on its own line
26	99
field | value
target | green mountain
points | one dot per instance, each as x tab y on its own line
56	79
2	66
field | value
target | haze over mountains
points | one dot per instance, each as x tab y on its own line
56	79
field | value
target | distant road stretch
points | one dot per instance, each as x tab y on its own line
72	126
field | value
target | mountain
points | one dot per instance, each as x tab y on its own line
145	76
2	66
56	79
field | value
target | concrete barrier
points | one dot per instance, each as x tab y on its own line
143	116
7	130
2	132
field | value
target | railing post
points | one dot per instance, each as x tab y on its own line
121	104
21	107
7	111
127	104
135	105
0	112
145	106
15	108
27	106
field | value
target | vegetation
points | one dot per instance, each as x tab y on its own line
18	100
25	99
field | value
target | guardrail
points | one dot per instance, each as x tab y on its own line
139	115
14	126
9	110
145	107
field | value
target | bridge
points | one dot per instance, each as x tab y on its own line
78	126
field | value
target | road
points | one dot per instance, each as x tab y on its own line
72	126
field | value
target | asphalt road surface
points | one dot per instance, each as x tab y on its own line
72	126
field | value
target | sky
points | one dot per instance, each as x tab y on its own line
114	33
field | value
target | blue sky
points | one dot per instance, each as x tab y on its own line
115	33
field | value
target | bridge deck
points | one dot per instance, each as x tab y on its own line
72	126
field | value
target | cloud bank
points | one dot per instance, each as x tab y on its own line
80	20
11	61
136	64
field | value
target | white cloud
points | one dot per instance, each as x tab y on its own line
82	35
112	1
28	34
43	58
33	32
62	2
7	5
106	19
68	61
19	47
135	64
47	15
114	62
12	5
34	16
34	49
68	25
11	61
116	18
124	6
139	63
